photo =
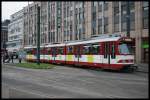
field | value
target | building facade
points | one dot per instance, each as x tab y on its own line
15	32
4	34
69	21
30	24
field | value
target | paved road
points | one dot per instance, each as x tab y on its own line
72	82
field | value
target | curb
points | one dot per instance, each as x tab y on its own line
142	68
142	71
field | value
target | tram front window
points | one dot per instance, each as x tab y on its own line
125	49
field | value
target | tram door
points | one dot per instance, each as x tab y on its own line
77	54
106	59
109	54
54	54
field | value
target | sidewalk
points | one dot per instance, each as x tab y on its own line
143	67
14	61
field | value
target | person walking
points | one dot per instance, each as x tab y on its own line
4	57
12	57
20	58
8	57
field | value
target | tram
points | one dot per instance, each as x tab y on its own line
109	52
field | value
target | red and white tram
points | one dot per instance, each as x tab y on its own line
112	52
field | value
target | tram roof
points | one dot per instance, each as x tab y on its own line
29	47
95	40
55	45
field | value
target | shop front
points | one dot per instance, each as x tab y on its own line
145	50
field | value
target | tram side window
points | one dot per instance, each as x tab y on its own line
54	51
48	51
29	51
40	51
86	49
113	56
95	48
34	51
60	50
75	50
91	49
44	51
70	50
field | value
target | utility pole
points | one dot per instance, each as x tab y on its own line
128	18
38	35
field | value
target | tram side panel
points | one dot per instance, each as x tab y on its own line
70	55
84	55
60	55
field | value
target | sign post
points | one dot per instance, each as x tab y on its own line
38	35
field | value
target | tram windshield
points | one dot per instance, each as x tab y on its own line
125	48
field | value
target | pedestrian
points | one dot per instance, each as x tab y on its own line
12	57
4	57
20	58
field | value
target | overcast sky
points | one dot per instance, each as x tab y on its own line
9	8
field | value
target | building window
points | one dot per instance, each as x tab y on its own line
123	8
67	11
79	33
99	26
115	4
76	35
116	19
49	37
76	11
95	3
71	13
93	31
94	16
100	8
116	11
124	21
116	27
105	6
64	12
106	25
116	8
123	26
80	10
145	10
132	5
123	18
100	30
132	21
116	23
